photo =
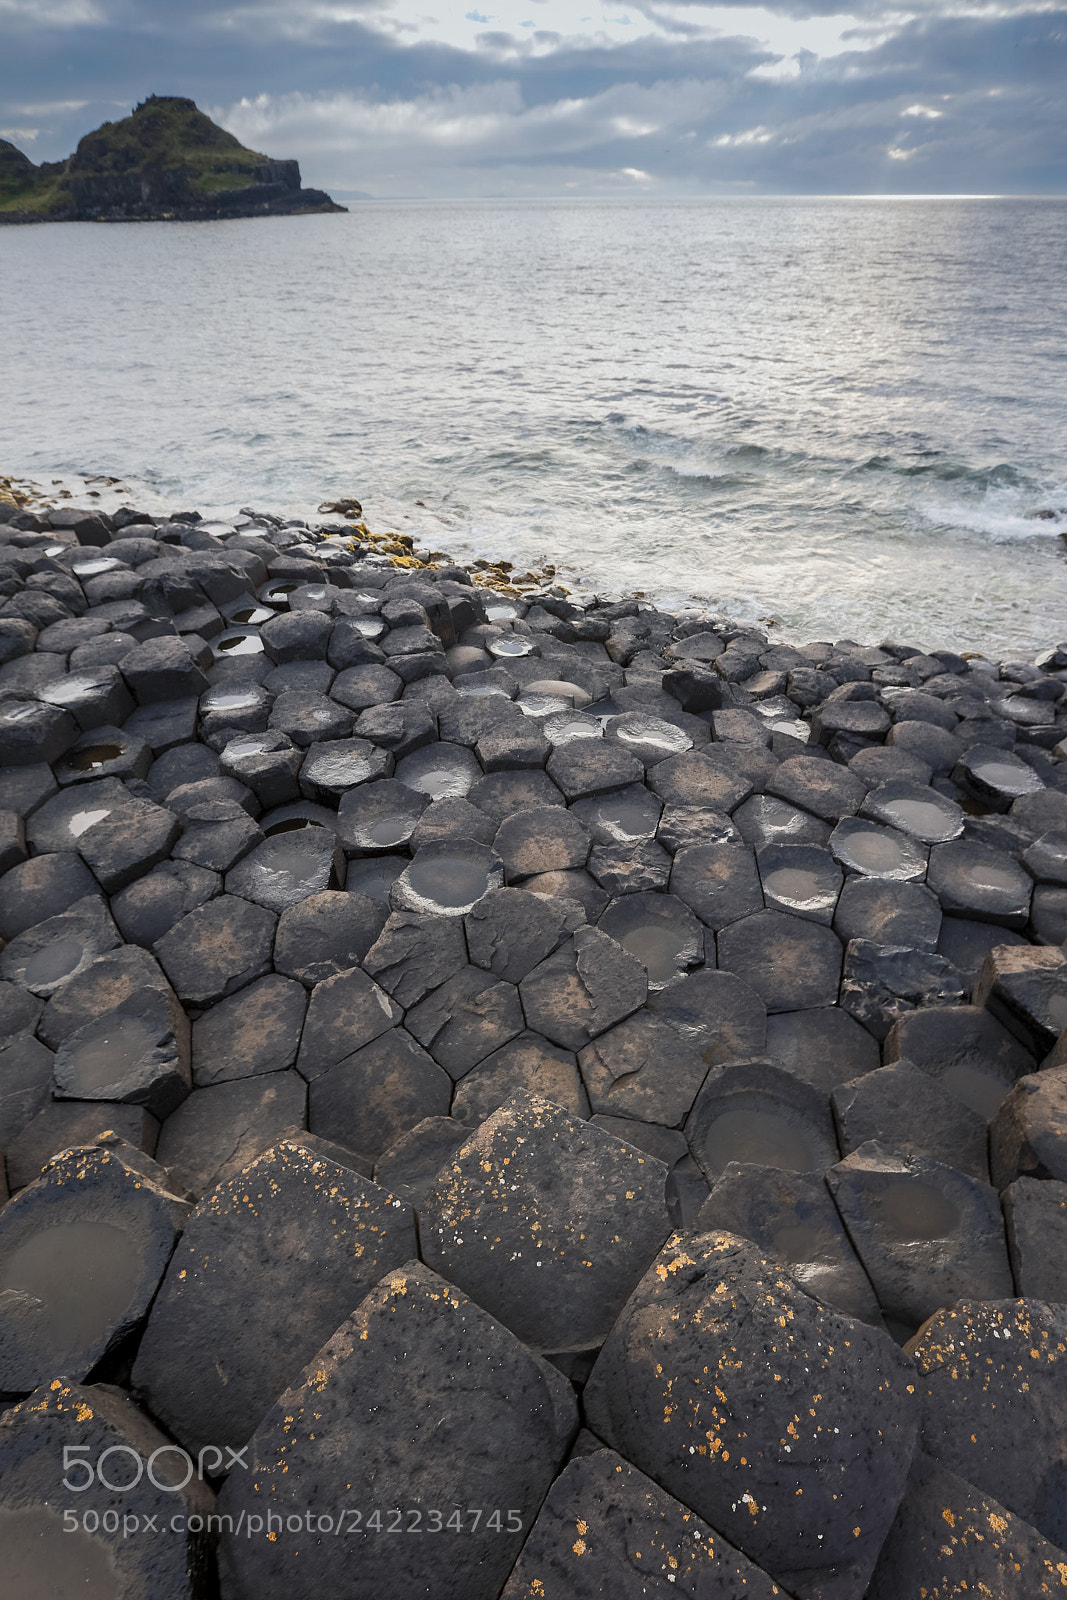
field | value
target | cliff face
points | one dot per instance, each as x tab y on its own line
166	161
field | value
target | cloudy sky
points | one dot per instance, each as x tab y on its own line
397	98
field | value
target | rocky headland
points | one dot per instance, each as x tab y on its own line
166	162
535	1096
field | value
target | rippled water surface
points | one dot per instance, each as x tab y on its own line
835	413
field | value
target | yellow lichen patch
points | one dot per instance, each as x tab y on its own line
578	1547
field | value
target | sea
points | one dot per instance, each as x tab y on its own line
839	418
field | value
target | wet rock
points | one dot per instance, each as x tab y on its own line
717	881
447	878
43	1556
873	851
887	912
754	1111
823	1046
409	1168
384	1379
992	1399
915	810
509	931
40	888
381	816
911	1112
1028	1135
660	930
128	842
31	733
244	707
642	1069
332	767
306	717
82	1251
51	953
696	778
790	962
801	879
983	1549
1025	989
529	1063
466	1019
148	908
881	982
860	719
547	1222
1048	914
218	834
370	1098
288	868
633	1538
164	724
763	819
995	777
256	1030
452	819
926	1233
137	1052
218	948
583	989
325	934
414	954
1046	858
696	688
268	1262
268	763
649	738
443	771
623	817
681	1389
19	1012
219	1130
984	884
165	669
791	1218
964	1049
717	1015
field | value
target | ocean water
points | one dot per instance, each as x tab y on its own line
838	415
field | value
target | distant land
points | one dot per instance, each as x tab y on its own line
166	162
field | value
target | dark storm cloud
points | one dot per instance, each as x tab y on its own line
935	100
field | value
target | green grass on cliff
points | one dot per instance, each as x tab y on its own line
164	134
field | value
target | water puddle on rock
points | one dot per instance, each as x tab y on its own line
800	886
763	1136
53	963
251	616
238	644
449	883
919	817
799	1241
94	756
657	946
911	1211
981	1088
41	1560
83	1273
106	1058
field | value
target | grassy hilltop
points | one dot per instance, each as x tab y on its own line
166	161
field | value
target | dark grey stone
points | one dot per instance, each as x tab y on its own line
1026	1135
549	839
819	787
981	883
791	963
911	1112
965	1049
801	879
823	1046
717	881
267	763
660	930
409	1168
547	1222
466	1019
509	931
875	851
995	777
31	733
268	1265
25	1083
361	687
216	949
453	819
583	893
414	954
527	1062
621	818
755	1111
888	912
128	842
65	1124
288	868
1035	1212
583	989
326	934
642	1068
376	817
367	1101
966	944
147	909
42	887
336	765
717	1015
165	669
51	953
345	1013
881	982
256	1030
696	779
916	810
1026	989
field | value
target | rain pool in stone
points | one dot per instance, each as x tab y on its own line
841	414
911	1211
105	1059
82	1272
749	1133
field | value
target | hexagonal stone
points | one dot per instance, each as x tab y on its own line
499	794
370	1098
585	896
753	1111
1024	988
509	931
43	1556
468	1017
326	934
135	1052
453	819
441	770
528	1062
717	1015
916	810
791	1217
356	1423
660	930
82	1251
1026	1138
550	839
763	819
48	955
447	878
819	787
415	953
547	1221
1045	812
346	1012
966	1050
823	1046
682	1389
220	1130
888	913
336	765
790	962
642	1069
268	1261
875	851
42	887
924	1232
717	881
288	868
583	989
375	817
911	1112
31	733
631	1535
592	766
59	823
409	1168
982	1550
882	982
861	719
256	1030
801	879
995	777
163	669
218	948
149	908
977	881
994	1410
697	779
622	817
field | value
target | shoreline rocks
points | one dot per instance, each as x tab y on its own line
441	1014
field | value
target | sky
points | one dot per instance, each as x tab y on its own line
562	98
